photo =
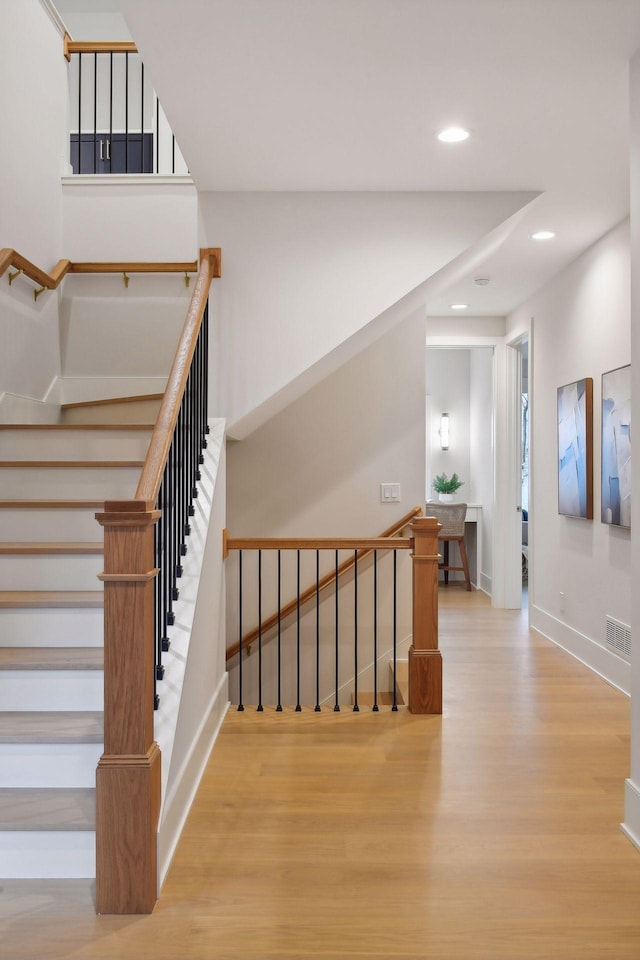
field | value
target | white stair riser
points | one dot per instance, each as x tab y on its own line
74	444
46	572
51	689
49	765
50	525
63	854
49	628
79	483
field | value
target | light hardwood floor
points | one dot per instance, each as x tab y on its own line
490	834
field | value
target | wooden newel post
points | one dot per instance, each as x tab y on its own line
425	660
128	776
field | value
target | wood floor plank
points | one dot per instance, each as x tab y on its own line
490	833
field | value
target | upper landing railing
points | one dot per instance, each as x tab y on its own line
117	122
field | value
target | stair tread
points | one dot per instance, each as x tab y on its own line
51	726
47	808
70	464
51	658
112	400
365	699
63	548
16	599
51	504
76	426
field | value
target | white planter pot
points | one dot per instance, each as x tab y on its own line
446	497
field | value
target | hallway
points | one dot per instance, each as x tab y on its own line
490	834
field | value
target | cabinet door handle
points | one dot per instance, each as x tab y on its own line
108	150
101	157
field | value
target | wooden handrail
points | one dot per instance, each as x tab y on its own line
70	46
158	451
50	281
387	540
11	258
190	266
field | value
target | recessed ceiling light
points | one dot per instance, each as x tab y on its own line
543	235
481	281
459	306
453	135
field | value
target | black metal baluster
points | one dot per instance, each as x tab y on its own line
240	703
157	170
79	113
205	369
375	631
177	568
317	706
182	514
395	638
109	157
156	617
173	153
279	706
142	170
126	113
260	707
336	706
356	708
298	707
95	111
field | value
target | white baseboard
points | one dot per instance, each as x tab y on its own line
185	786
15	408
613	669
485	585
631	825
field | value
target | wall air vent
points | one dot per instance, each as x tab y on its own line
619	637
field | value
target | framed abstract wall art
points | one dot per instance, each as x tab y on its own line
575	449
616	447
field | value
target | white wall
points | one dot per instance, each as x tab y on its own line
581	329
632	795
305	272
448	379
481	452
315	468
32	158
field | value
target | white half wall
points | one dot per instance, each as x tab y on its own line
581	568
119	218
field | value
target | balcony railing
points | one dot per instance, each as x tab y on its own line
117	124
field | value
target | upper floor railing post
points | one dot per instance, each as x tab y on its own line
425	659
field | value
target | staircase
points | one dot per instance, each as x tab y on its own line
53	479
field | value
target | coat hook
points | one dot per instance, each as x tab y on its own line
36	293
125	278
12	276
187	279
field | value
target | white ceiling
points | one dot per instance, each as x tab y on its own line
317	95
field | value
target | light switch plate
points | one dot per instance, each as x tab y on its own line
389	493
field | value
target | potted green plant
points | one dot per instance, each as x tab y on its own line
446	486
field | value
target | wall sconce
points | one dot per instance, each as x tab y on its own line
444	431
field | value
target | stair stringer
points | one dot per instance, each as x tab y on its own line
194	692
